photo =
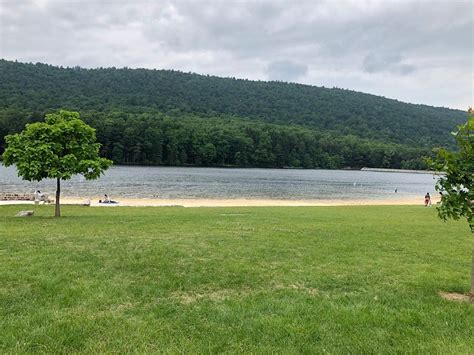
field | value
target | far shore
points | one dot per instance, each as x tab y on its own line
231	202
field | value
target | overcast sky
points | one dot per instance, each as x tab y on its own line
413	51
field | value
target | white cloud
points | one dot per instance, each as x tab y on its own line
416	51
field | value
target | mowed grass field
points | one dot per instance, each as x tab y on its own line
207	280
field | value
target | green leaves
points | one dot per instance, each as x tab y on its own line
456	186
60	147
117	93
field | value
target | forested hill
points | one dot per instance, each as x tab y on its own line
274	119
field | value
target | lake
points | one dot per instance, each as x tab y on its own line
222	183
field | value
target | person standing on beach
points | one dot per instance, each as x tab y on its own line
427	200
37	196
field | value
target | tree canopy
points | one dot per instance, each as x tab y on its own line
58	148
456	185
174	118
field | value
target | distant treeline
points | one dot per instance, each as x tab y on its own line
159	139
174	118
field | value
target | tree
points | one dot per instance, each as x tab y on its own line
58	148
456	185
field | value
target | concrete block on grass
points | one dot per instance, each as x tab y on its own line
25	214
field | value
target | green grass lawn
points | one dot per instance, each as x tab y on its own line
282	279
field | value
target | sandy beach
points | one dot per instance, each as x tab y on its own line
231	202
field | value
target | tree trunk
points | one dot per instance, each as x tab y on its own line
57	211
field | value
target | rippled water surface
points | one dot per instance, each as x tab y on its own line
217	183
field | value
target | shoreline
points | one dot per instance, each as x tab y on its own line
144	202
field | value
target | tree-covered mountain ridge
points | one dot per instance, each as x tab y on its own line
164	101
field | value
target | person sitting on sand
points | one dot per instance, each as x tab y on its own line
107	200
40	197
427	200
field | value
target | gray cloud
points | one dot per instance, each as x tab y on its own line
389	62
416	51
286	70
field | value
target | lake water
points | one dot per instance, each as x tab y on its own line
220	183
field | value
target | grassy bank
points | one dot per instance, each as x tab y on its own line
284	279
